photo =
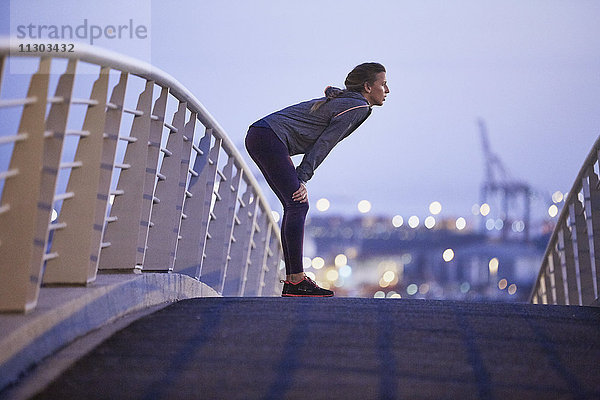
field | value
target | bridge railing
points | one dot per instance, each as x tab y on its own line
120	168
569	271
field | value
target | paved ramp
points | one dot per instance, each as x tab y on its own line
337	348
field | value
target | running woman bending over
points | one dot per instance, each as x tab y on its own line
311	128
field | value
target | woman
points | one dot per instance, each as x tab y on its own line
311	128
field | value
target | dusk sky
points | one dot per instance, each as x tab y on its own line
530	69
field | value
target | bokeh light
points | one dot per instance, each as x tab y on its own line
364	206
412	289
553	211
493	266
502	284
484	209
318	263
461	223
448	255
435	208
276	215
429	222
557	196
345	271
332	275
306	262
389	276
413	221
341	260
323	205
397	221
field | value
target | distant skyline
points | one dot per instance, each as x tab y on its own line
530	69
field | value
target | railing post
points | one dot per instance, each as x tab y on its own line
565	249
581	253
84	214
196	208
258	255
591	194
217	247
166	213
240	249
270	279
120	250
21	243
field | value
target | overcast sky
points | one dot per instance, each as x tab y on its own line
531	69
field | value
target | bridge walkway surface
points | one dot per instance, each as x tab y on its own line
273	348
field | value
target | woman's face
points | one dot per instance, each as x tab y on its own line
376	93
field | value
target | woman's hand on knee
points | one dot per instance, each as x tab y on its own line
301	194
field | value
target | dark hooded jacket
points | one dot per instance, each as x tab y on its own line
315	133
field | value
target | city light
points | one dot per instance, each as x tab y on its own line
465	287
429	222
389	276
475	209
557	196
311	275
424	288
397	221
512	289
306	262
484	209
490	224
448	255
553	211
275	215
502	284
364	206
499	224
412	289
379	295
393	295
323	205
518	226
345	271
341	260
318	263
413	221
493	266
332	275
435	208
461	223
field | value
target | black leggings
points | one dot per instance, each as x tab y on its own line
272	157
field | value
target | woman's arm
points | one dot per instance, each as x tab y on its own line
340	127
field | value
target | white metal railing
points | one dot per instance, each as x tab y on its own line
569	271
167	191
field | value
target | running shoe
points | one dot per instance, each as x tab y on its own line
305	288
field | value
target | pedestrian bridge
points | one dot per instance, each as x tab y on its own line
121	194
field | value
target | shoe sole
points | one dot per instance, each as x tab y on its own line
306	295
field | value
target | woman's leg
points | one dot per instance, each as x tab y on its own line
271	156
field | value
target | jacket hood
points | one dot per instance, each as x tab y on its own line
333	92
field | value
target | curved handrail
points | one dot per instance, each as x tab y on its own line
166	201
121	62
569	270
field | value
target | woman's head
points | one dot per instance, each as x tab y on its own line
369	79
